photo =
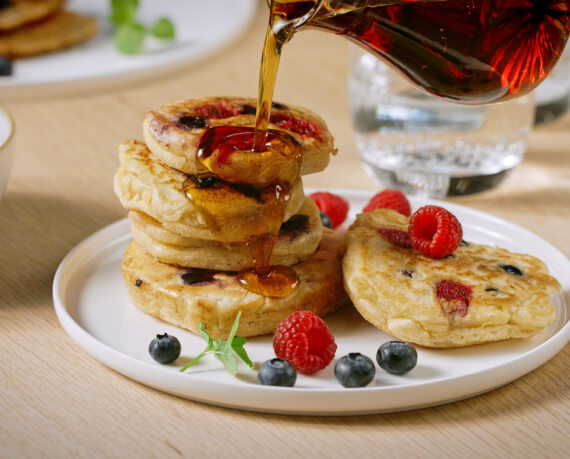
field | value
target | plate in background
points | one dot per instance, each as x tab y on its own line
203	27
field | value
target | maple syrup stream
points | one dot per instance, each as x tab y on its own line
263	278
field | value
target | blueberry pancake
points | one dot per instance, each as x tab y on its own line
195	207
173	132
60	30
475	295
298	239
186	297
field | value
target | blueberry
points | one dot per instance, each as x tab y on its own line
326	220
354	370
5	66
248	110
296	225
397	357
192	122
510	269
278	106
277	372
197	276
206	181
164	348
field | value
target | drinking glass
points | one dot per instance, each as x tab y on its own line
425	145
553	95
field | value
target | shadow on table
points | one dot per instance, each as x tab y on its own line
36	233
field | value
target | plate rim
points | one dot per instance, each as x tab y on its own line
151	375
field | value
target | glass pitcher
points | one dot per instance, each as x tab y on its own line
470	51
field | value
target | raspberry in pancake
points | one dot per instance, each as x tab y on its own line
173	132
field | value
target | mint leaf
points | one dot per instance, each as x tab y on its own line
129	33
234	328
209	348
163	28
129	38
123	11
192	362
237	346
229	361
206	336
223	349
220	345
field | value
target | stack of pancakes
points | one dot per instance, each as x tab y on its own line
192	225
31	27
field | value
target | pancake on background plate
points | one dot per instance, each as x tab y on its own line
59	30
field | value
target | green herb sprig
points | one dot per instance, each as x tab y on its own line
223	349
129	32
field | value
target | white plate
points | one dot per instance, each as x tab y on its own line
203	27
94	308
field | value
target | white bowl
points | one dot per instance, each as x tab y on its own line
7	127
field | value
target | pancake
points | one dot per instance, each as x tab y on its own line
298	239
173	132
214	298
60	30
224	214
478	294
21	12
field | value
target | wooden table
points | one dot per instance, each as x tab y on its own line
57	401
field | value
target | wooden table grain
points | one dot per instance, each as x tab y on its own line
57	401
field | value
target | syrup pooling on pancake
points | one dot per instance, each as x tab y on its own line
227	152
274	281
217	197
143	183
174	131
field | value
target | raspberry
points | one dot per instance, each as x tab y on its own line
333	205
217	111
304	340
389	199
434	231
453	297
396	237
300	126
